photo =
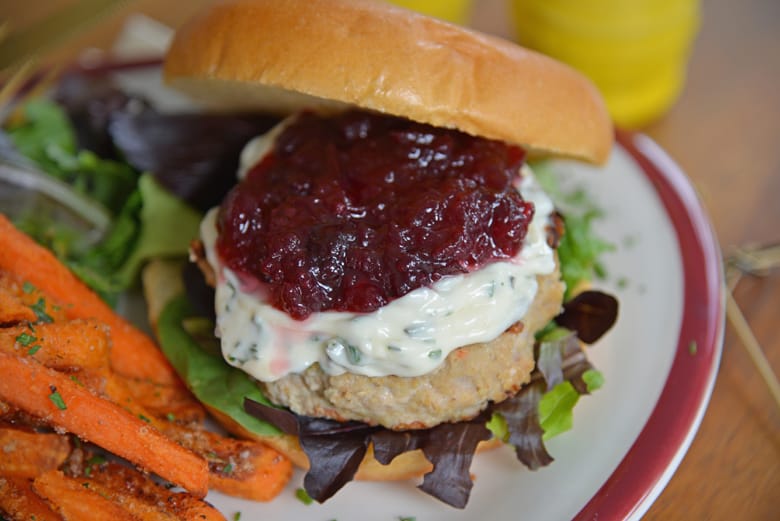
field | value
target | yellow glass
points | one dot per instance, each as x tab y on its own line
635	51
456	11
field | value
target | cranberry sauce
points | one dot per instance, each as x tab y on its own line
351	211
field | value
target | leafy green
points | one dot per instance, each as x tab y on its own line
556	409
137	236
47	138
498	426
44	130
580	248
303	496
210	379
159	207
56	236
138	203
594	380
552	332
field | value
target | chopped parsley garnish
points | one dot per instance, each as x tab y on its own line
407	518
28	288
144	418
237	516
693	347
56	399
353	354
34	349
227	469
26	339
170	417
40	311
94	461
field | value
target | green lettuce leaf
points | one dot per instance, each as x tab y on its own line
556	409
167	227
210	379
44	130
580	248
593	379
46	137
136	237
580	251
498	426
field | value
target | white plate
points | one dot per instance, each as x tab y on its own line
628	437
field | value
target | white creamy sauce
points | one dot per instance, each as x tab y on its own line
410	336
258	147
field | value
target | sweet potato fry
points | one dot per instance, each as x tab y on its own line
240	468
72	500
12	309
51	395
77	344
133	353
27	454
19	502
251	470
165	401
137	506
39	304
145	498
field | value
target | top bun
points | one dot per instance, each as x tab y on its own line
280	56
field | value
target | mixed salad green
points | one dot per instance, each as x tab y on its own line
135	201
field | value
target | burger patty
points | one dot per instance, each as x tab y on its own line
470	378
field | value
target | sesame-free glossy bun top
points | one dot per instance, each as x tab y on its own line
280	56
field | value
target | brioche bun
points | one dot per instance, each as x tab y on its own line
283	56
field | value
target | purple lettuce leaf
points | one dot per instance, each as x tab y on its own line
389	444
450	447
590	314
285	419
575	363
335	450
195	156
521	413
548	362
90	102
333	460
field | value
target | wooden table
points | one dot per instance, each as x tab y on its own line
725	133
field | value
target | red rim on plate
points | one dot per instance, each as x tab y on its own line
655	454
